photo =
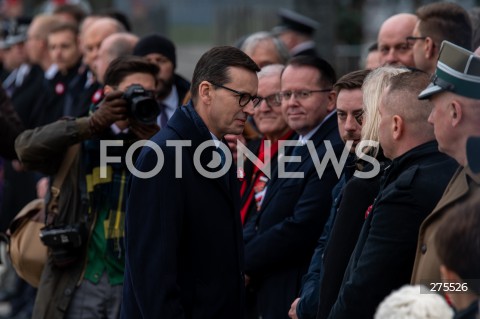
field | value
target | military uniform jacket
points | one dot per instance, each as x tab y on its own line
464	186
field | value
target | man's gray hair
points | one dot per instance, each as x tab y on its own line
251	42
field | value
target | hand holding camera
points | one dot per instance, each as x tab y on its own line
113	108
135	103
143	131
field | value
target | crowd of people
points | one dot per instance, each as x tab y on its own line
265	187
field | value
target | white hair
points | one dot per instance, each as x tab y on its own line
271	70
251	42
413	302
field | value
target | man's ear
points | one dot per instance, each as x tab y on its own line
455	111
397	127
205	92
430	48
332	101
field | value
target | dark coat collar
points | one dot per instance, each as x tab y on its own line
198	133
412	156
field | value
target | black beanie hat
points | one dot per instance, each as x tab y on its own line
156	43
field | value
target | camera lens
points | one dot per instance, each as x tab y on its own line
142	104
145	109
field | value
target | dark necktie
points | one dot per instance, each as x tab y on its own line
222	164
298	150
163	115
222	157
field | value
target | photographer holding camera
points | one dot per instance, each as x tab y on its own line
83	277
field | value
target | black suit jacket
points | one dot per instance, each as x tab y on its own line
287	228
358	195
184	249
10	126
63	95
385	251
25	96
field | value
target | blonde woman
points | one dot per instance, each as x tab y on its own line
358	195
373	87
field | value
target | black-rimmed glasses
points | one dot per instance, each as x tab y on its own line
273	100
411	39
243	97
301	94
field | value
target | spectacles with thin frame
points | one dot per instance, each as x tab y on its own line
301	94
273	100
243	97
411	39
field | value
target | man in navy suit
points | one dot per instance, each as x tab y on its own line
281	238
183	230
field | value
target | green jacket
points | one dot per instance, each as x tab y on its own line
43	149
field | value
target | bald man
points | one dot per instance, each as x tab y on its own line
37	46
93	35
26	95
113	46
392	43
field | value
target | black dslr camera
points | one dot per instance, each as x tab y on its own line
141	104
65	242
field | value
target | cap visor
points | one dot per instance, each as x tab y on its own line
279	29
473	154
429	91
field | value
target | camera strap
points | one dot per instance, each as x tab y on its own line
84	197
60	178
